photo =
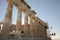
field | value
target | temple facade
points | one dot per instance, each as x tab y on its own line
36	30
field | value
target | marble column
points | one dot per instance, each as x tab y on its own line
19	19
0	27
35	22
26	25
8	18
36	28
39	30
31	27
18	23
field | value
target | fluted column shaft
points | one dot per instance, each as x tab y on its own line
0	26
35	22
26	25
18	23
19	18
31	27
8	19
38	29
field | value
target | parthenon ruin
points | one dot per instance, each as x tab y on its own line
36	29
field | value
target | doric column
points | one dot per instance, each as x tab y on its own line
37	28
40	30
35	22
8	18
0	27
18	23
31	27
19	19
26	25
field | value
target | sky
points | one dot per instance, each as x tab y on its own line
47	10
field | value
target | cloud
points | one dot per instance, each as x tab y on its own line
56	37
